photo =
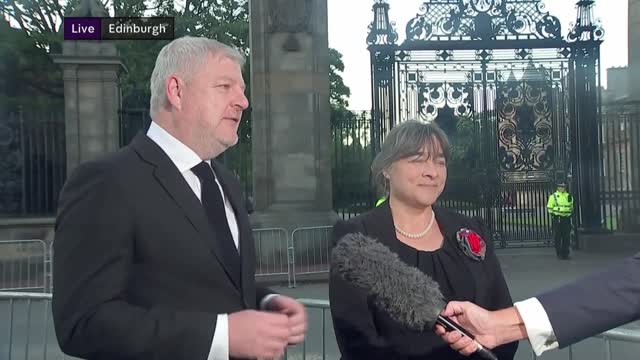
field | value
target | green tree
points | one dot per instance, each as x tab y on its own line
339	92
224	20
29	77
39	20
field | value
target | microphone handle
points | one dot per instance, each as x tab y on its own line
451	325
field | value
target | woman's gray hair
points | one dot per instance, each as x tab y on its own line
184	57
406	140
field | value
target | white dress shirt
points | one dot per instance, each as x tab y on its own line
184	158
539	329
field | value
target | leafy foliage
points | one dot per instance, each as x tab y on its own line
29	77
339	92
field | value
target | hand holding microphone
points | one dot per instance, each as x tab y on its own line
408	295
473	318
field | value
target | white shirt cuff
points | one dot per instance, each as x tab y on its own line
539	329
220	344
265	301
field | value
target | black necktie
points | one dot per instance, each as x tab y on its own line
214	206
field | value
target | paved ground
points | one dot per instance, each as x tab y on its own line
527	271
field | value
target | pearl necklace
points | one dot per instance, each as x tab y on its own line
419	235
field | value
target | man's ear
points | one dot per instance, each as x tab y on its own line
174	88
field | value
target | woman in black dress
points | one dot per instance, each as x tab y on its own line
453	249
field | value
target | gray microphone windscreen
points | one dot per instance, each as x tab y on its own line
408	295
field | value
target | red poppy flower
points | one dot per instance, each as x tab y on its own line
471	244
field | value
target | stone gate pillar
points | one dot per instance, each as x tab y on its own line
290	113
91	71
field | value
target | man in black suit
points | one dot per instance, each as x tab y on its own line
557	318
154	253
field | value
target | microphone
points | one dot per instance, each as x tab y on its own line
407	294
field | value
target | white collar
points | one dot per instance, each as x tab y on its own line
182	156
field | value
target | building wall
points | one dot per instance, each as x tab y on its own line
617	83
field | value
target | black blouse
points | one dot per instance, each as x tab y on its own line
442	265
365	332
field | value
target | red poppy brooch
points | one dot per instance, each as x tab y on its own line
471	244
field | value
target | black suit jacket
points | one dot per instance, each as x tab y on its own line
595	303
365	332
138	273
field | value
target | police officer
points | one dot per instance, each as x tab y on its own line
560	207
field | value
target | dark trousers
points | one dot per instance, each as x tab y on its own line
561	235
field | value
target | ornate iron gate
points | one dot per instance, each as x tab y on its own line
500	79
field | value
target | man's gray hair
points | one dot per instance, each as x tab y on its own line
406	140
184	57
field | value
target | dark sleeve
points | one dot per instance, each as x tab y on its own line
500	297
261	293
94	253
595	303
353	324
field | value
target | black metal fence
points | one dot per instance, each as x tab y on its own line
132	122
352	155
33	170
620	154
32	162
521	217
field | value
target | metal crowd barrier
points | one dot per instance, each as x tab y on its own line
311	250
22	265
27	331
27	265
49	268
619	334
273	253
317	314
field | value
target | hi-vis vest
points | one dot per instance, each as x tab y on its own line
560	204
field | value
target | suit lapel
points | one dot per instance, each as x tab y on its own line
177	188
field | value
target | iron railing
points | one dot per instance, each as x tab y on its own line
352	155
620	181
132	122
32	162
